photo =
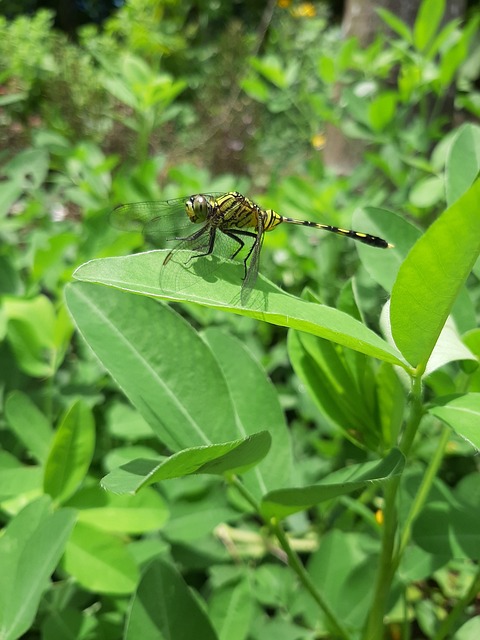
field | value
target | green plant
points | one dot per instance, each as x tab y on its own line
392	96
334	494
206	400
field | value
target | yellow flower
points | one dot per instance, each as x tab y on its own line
318	141
284	4
304	10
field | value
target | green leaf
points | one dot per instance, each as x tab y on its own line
462	414
140	273
284	502
125	423
195	515
463	162
381	110
99	561
71	452
427	192
447	530
256	88
164	608
257	406
470	630
432	276
18	483
326	69
121	514
427	22
30	548
229	457
396	24
11	98
30	166
383	267
10	192
344	568
10	283
29	424
391	400
451	61
165	369
324	370
448	348
270	67
31	325
231	610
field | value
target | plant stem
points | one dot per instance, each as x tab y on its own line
422	492
374	629
304	577
294	562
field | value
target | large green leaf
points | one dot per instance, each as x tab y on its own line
383	266
220	289
160	362
257	405
432	276
340	394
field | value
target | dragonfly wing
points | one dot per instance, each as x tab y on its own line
253	262
157	221
178	265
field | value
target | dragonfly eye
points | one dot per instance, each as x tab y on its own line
198	208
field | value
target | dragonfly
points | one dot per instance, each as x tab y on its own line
221	224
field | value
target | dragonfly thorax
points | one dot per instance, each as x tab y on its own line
198	208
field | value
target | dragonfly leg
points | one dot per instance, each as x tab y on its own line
191	239
211	243
234	235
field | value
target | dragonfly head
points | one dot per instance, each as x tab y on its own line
198	207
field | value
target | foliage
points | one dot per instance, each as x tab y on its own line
315	482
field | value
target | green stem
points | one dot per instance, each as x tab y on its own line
242	489
294	562
422	493
304	577
374	629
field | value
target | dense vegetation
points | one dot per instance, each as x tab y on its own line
175	462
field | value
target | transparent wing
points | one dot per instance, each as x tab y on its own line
157	221
252	262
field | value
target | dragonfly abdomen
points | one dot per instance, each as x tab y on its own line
366	238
